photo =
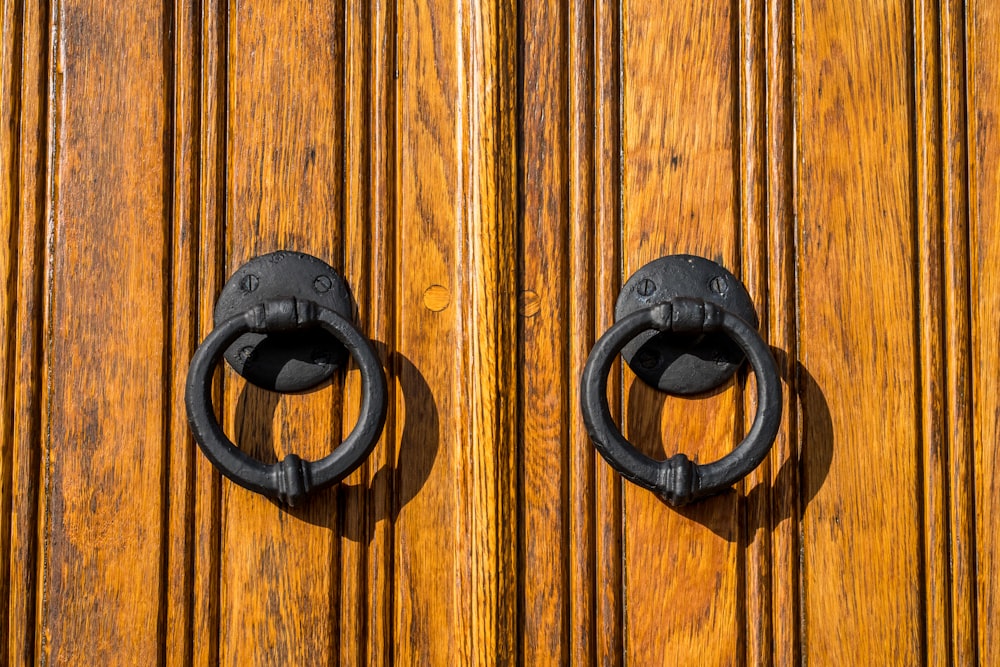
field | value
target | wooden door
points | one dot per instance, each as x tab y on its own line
486	175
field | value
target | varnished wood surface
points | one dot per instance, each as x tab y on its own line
486	175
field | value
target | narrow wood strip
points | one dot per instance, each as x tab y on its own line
607	253
756	520
183	295
383	195
285	178
207	529
927	87
958	334
355	526
101	481
546	179
679	189
581	271
11	28
28	323
782	328
31	403
982	25
489	246
858	297
367	501
429	593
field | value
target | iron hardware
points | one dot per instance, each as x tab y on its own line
278	309
684	299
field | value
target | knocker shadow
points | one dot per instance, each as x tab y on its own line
791	489
359	506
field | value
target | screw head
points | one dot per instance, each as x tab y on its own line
719	285
246	352
646	287
249	283
322	284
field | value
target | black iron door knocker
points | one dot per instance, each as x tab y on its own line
684	325
283	321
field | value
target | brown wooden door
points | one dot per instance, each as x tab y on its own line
486	175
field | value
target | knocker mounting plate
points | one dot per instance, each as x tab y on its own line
684	364
286	361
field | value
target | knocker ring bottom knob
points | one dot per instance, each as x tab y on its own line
678	480
291	479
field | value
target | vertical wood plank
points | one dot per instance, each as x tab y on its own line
212	109
679	192
581	638
183	330
858	326
284	160
29	321
961	624
983	42
609	565
456	538
927	90
546	178
756	519
782	318
366	618
103	466
11	28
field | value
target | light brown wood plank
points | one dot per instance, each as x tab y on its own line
546	180
103	465
609	612
210	266
679	197
582	636
284	173
11	29
927	90
430	542
983	43
960	622
366	619
183	331
782	326
34	176
862	545
455	539
756	520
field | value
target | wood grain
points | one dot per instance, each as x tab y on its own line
608	531
486	175
857	335
183	250
455	587
10	93
204	608
367	503
284	190
548	175
679	196
983	41
103	462
782	317
34	178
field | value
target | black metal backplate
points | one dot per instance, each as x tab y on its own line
292	361
684	364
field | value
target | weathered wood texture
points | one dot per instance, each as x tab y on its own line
486	175
982	134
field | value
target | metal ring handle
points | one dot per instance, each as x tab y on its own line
291	479
678	480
